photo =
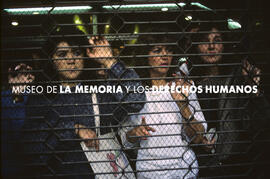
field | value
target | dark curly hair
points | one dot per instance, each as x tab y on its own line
146	43
76	39
69	34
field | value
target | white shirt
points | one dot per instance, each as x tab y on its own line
162	113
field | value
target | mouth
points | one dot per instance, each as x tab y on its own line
72	70
164	64
71	63
211	52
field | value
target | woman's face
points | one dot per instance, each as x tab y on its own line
211	46
160	61
66	58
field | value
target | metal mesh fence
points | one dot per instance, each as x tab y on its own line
134	89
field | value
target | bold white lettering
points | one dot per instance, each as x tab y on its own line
248	89
16	89
255	89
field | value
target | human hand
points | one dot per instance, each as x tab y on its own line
140	131
208	145
249	69
22	76
87	134
101	51
182	97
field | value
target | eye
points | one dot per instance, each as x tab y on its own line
169	50
218	39
61	53
157	50
203	41
77	52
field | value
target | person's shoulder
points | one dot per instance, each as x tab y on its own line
6	92
6	97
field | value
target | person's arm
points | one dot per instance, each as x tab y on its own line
139	132
87	134
132	102
193	128
118	75
122	132
129	140
34	132
194	122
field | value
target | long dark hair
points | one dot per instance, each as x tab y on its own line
202	30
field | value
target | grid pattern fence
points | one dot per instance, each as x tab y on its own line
134	89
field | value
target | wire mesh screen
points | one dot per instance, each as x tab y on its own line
134	89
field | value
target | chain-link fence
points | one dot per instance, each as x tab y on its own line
134	89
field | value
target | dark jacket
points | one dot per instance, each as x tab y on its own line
12	119
233	116
49	128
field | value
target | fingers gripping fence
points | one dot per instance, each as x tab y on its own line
134	89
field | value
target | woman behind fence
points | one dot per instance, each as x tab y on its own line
57	123
167	123
229	114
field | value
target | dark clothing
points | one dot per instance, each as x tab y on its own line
52	120
232	115
12	119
